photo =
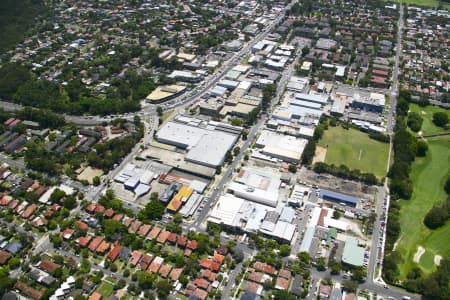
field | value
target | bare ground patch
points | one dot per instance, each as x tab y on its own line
320	154
418	254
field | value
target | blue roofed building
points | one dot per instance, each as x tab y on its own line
338	197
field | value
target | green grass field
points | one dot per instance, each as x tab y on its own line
426	113
355	149
106	289
428	175
429	3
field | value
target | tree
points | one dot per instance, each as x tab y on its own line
440	119
145	279
285	250
96	181
350	286
336	268
244	134
163	288
447	185
153	210
436	217
336	214
112	227
414	121
14	263
422	148
159	111
321	264
236	122
292	168
359	274
236	150
70	202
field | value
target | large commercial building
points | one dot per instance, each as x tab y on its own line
284	147
165	93
374	103
338	197
353	254
205	145
239	215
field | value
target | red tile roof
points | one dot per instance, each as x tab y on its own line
218	257
192	245
4	257
29	210
175	273
135	257
162	238
48	266
103	247
134	226
209	264
84	240
201	283
144	229
165	270
67	233
153	233
114	253
172	238
95	296
90	208
109	213
146	259
182	241
282	283
29	291
260	266
99	209
118	217
95	243
285	274
81	225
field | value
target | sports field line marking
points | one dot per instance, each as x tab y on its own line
360	152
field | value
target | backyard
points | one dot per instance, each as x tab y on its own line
355	149
428	175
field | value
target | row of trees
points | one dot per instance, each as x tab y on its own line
310	148
344	172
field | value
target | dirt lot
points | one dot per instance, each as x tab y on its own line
89	173
319	156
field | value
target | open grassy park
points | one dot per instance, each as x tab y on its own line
426	113
429	3
355	149
428	175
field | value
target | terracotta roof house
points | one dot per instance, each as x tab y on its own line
103	247
29	210
118	217
114	253
218	258
99	209
182	241
90	208
134	227
135	257
95	296
155	265
210	264
146	259
48	266
282	283
109	213
207	274
4	257
285	274
84	240
127	221
144	229
254	288
153	233
258	277
172	238
175	273
192	245
67	233
165	270
200	294
201	283
260	266
81	225
12	204
95	243
39	221
163	236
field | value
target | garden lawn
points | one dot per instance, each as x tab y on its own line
426	113
106	289
428	175
355	149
